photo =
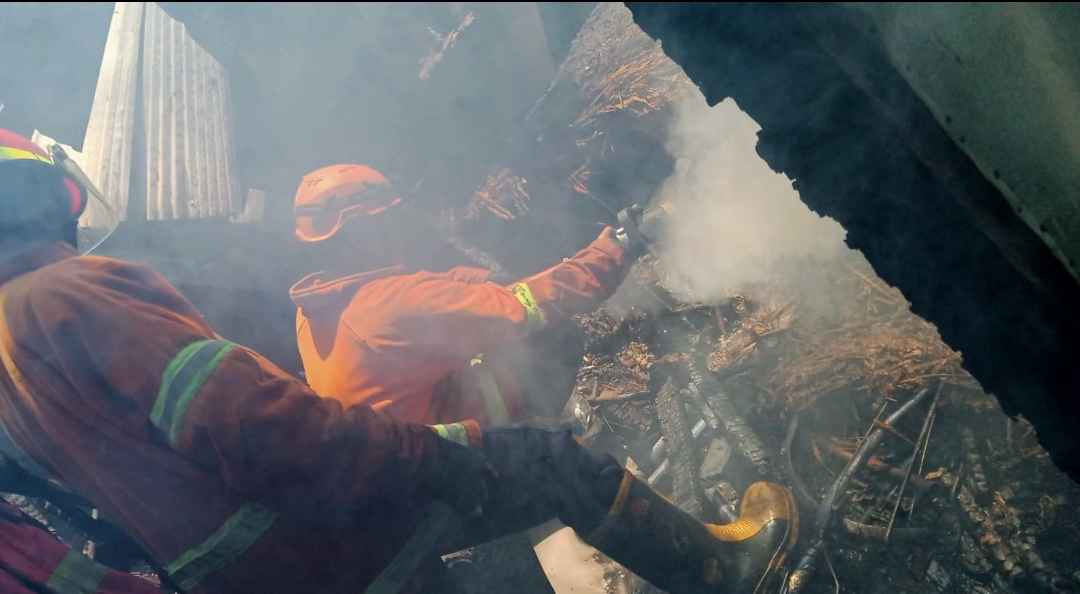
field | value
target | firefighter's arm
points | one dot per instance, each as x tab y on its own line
454	320
275	440
579	284
224	407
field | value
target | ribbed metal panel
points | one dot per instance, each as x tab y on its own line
108	143
186	127
186	105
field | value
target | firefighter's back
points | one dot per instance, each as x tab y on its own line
81	374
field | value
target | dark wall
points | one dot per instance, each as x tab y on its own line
840	122
238	276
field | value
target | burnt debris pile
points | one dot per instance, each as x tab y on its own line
908	475
786	376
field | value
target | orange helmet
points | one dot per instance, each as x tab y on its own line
328	196
21	157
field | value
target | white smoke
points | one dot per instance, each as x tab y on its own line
734	220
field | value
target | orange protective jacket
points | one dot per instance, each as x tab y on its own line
231	472
392	339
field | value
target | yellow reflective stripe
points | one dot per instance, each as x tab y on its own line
183	379
534	316
8	153
76	574
489	391
442	432
223	547
454	432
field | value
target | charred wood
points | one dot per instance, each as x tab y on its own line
684	458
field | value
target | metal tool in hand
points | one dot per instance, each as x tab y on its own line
639	225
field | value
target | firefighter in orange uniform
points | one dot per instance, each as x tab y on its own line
373	328
237	478
230	472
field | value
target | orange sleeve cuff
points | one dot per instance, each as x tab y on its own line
610	245
475	433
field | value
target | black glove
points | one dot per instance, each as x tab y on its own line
543	472
459	476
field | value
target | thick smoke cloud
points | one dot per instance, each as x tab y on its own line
734	220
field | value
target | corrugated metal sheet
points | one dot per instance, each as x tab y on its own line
186	143
188	139
1003	80
108	143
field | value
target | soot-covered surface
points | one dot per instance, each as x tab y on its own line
983	510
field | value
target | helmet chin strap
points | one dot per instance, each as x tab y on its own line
72	169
